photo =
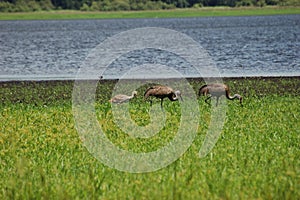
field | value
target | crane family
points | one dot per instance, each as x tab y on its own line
161	92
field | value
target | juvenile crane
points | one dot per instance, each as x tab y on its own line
161	92
217	90
122	98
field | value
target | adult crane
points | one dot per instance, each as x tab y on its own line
161	92
217	90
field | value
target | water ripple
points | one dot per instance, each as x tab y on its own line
240	46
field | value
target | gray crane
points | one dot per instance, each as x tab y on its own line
217	90
161	92
121	98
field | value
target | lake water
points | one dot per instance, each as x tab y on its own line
239	46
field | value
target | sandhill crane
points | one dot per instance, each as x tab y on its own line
217	90
121	98
161	92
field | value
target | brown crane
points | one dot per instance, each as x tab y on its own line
161	92
217	90
121	98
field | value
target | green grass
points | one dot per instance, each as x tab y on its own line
256	157
203	12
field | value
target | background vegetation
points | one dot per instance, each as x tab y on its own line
124	5
256	157
189	12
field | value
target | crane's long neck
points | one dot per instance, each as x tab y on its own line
235	96
176	97
132	95
173	98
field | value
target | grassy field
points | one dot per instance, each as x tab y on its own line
203	12
256	157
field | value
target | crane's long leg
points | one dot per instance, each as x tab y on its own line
207	99
161	103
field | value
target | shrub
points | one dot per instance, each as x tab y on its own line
197	5
95	6
120	5
46	5
84	7
289	3
244	3
33	6
6	7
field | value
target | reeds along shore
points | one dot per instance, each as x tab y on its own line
60	91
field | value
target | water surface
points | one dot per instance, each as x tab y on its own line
239	46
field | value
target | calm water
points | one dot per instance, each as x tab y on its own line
239	46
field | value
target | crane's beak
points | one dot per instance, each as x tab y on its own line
181	98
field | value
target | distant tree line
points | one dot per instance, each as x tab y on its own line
115	5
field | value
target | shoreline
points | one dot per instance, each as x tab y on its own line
41	93
172	13
68	79
146	79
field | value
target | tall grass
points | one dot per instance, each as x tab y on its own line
256	157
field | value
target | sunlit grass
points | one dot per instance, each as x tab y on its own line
256	157
202	12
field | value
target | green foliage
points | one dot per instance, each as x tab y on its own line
85	7
46	5
95	6
125	5
6	7
120	5
244	3
289	3
25	5
117	5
